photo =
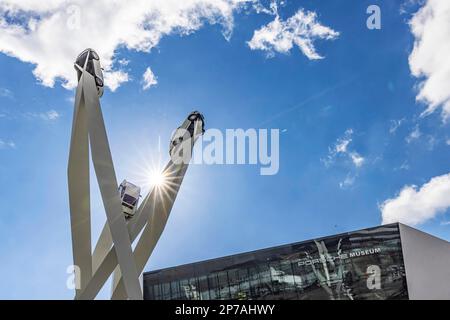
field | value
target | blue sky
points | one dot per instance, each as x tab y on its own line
362	94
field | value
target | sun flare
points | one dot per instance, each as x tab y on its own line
157	178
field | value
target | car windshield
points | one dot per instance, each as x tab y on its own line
129	199
90	65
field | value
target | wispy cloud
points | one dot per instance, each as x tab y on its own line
395	124
341	147
348	182
123	62
404	166
415	205
432	141
414	135
300	30
148	79
50	115
6	93
7	144
357	159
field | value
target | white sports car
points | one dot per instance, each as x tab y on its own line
129	194
186	130
92	66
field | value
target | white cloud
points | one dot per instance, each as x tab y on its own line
148	79
414	135
272	10
7	144
50	115
429	59
357	159
415	205
448	142
302	29
395	124
341	147
115	78
50	34
342	144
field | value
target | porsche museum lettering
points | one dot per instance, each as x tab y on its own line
366	252
342	256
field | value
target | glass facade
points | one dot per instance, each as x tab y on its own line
365	264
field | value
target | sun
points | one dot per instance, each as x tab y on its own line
157	178
149	172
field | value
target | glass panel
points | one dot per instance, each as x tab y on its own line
365	264
175	290
254	282
185	290
203	288
214	291
265	287
82	58
276	279
95	55
129	199
193	287
166	291
223	285
244	285
233	278
148	293
289	288
157	292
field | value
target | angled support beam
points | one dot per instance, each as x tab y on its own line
89	129
79	193
154	211
158	210
113	251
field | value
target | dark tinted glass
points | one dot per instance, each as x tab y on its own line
90	66
129	199
366	264
82	58
95	55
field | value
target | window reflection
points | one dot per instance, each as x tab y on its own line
327	269
203	288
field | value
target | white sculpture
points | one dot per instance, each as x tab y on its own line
113	251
